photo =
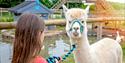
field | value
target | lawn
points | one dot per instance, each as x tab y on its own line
123	48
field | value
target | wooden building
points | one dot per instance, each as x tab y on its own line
31	6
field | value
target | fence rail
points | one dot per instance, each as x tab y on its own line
10	25
4	9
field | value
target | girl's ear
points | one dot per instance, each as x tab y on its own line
65	9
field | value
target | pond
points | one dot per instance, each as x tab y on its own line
5	53
51	45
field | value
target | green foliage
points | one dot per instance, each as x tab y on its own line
118	6
80	5
9	3
60	27
48	3
123	54
56	16
6	17
92	7
76	5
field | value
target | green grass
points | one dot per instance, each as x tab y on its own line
123	48
70	59
123	55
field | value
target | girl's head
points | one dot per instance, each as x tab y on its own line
28	38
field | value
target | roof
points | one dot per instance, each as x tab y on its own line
30	6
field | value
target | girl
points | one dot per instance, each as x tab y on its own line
28	42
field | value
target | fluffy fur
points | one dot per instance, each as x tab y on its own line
104	51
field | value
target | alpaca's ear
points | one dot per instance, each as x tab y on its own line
65	9
87	9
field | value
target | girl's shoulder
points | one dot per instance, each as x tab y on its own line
40	59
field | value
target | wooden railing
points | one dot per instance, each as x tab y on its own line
4	9
10	25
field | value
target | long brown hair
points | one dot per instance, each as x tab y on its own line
27	42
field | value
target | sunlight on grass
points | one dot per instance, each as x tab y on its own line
123	48
70	59
124	55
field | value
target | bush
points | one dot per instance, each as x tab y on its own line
6	19
48	3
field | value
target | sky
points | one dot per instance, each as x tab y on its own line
120	1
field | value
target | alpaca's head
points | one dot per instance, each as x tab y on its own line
76	21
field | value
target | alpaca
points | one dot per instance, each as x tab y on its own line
104	51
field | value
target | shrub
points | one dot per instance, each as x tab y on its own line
6	19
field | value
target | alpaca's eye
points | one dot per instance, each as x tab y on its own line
82	21
69	21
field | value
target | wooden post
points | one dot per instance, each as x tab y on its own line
1	12
99	31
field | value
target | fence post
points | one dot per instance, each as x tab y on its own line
99	30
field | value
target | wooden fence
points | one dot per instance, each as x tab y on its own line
99	20
10	25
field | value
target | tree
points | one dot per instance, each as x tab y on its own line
49	3
9	3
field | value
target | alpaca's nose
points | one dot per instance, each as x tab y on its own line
76	28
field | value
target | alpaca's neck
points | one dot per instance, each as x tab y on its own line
82	52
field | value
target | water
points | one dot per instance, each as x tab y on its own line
54	46
6	48
59	49
5	53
